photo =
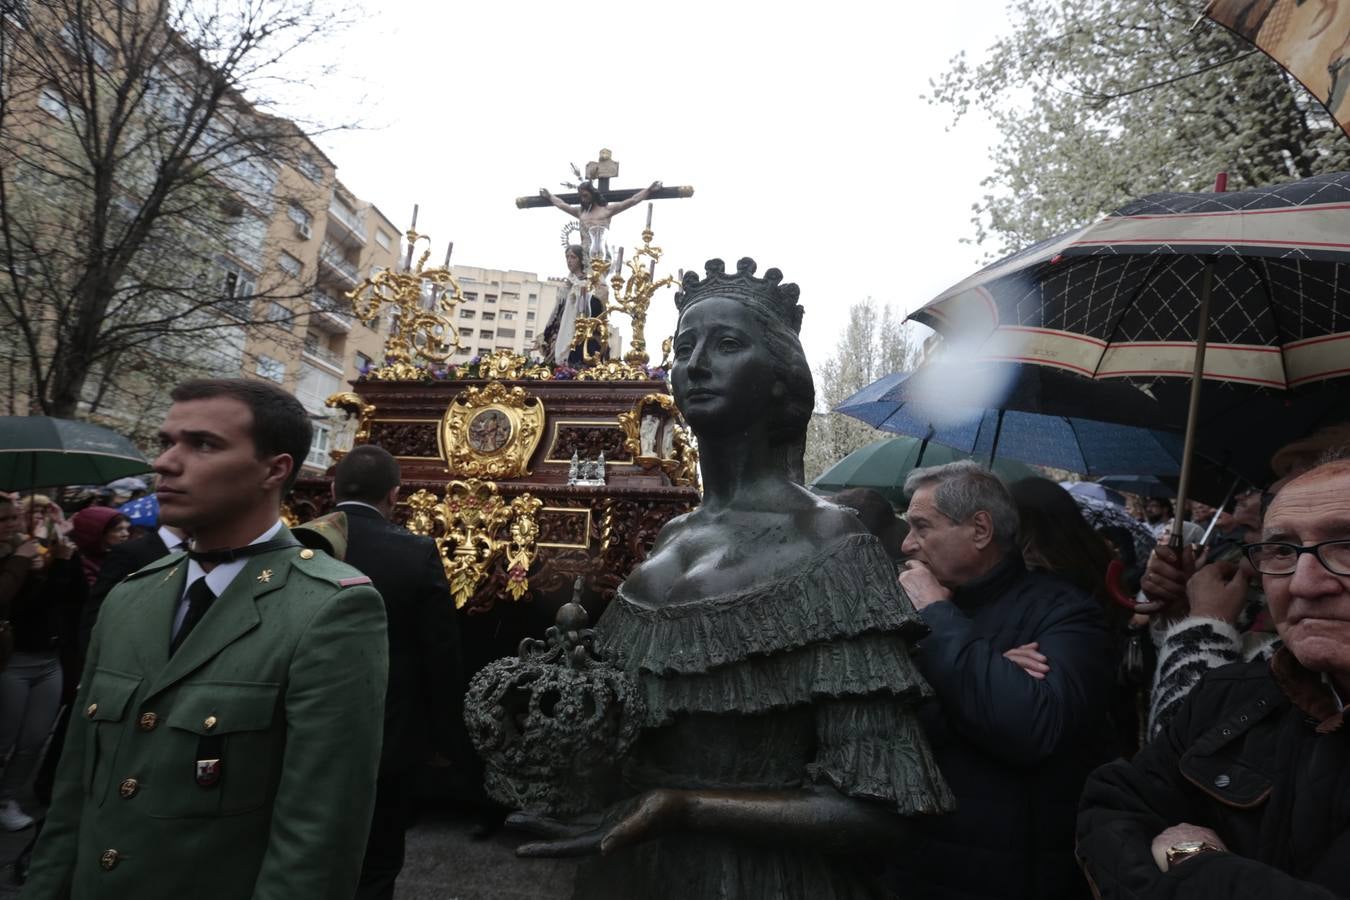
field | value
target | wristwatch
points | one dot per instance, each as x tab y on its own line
1188	849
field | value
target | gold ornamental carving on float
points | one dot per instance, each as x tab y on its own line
424	301
491	432
352	404
506	365
475	528
631	296
660	439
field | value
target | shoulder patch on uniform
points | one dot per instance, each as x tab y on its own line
169	559
318	564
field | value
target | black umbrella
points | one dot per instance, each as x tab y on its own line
39	451
1248	290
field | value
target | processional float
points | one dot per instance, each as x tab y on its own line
527	472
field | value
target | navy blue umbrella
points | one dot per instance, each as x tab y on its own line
1143	485
1074	443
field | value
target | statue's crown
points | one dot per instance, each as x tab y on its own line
553	724
768	293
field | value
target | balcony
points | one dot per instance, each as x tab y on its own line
344	225
318	353
335	262
331	315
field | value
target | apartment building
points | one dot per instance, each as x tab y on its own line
502	310
321	240
244	276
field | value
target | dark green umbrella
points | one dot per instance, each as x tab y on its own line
882	465
39	451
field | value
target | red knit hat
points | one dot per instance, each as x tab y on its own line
88	526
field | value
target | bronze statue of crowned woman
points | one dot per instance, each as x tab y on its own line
779	752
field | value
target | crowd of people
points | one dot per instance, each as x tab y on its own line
1190	708
1095	720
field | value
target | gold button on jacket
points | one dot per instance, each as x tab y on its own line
128	788
148	721
108	859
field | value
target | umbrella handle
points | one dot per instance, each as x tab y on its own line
1176	541
1115	571
1214	520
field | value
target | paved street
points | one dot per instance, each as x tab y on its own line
444	863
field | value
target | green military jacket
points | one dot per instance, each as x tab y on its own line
282	683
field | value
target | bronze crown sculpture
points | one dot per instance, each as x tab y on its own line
768	294
553	724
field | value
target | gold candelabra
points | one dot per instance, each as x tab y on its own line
631	297
425	301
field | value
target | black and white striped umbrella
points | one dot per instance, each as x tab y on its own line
1120	298
1252	288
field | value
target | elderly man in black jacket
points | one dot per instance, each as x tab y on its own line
424	705
1021	668
1246	792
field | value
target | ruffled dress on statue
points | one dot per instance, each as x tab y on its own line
805	678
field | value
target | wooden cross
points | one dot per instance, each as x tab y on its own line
600	172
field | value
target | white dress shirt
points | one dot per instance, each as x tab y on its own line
219	578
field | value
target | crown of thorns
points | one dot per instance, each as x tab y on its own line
768	293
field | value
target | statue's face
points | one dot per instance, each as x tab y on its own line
723	374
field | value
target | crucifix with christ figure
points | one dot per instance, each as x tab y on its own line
594	203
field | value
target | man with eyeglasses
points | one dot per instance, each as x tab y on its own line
1246	793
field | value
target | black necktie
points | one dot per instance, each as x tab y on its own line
200	597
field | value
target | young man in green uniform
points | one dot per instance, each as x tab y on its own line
226	735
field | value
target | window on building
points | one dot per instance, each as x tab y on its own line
533	300
484	351
529	333
236	287
466	314
466	332
299	215
51	100
507	315
489	298
470	296
506	332
318	448
510	297
489	316
529	317
271	369
278	313
383	238
309	167
86	46
289	264
485	333
363	362
506	349
15	10
462	351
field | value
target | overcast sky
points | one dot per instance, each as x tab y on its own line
801	127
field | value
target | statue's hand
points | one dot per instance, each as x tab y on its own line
627	822
543	192
643	818
580	837
656	186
